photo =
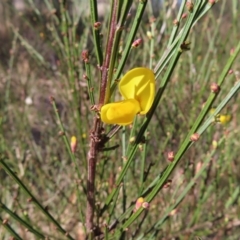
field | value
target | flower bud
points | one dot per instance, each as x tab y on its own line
145	205
85	56
152	19
149	34
214	144
138	203
97	25
170	156
211	2
73	144
137	43
224	119
167	184
195	137
175	22
132	139
189	5
232	51
184	15
215	88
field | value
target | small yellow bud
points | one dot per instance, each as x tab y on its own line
214	144
73	144
212	110
138	203
173	212
149	34
224	119
132	139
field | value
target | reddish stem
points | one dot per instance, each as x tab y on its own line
92	158
106	63
96	133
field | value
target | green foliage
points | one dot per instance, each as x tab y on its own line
180	160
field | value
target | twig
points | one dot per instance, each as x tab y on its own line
96	136
92	158
106	63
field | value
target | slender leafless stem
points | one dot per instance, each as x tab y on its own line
106	62
95	136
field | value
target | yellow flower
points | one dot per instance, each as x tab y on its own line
138	89
73	144
121	113
139	84
223	119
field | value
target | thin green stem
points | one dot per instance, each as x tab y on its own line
21	221
180	198
33	199
67	32
187	142
71	154
89	83
10	229
155	104
169	53
177	23
65	138
96	32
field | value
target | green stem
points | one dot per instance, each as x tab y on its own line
96	32
33	199
71	154
187	142
89	82
10	230
21	221
163	85
69	55
65	138
176	26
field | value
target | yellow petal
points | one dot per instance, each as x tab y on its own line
223	119
121	113
139	84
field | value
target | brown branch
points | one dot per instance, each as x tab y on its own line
96	136
106	63
95	139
